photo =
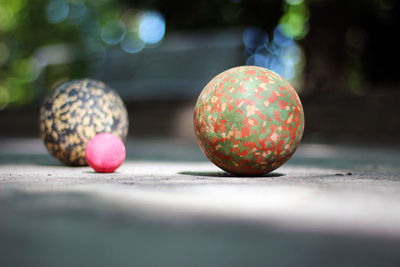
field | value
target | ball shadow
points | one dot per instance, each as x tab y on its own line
56	164
101	173
223	174
48	164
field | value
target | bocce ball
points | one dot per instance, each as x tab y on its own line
105	152
75	112
248	120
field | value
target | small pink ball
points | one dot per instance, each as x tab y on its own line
105	152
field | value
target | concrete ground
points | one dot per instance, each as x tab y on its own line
330	205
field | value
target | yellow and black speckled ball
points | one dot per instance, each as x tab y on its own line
75	112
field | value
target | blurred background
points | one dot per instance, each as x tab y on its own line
341	56
336	203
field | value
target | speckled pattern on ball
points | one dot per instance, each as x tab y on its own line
75	112
248	120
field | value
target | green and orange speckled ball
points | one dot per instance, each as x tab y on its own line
75	112
248	120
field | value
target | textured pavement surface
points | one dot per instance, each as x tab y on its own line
330	205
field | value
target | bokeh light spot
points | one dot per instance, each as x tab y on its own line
77	12
281	39
113	32
151	27
281	55
291	55
294	2
57	11
257	60
253	37
292	25
132	44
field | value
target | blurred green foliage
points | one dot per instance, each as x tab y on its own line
294	22
64	38
27	25
43	42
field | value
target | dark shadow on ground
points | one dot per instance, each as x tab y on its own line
229	175
93	171
79	224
